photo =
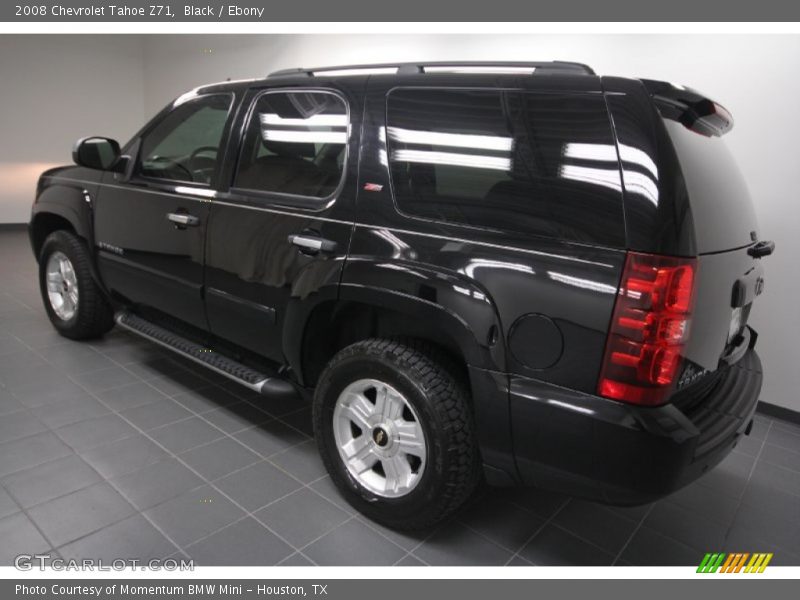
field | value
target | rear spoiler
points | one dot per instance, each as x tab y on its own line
690	108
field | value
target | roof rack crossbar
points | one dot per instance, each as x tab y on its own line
551	67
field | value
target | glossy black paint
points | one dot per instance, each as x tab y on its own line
716	225
526	315
256	279
472	281
622	454
658	215
722	211
96	152
155	263
722	274
485	276
68	193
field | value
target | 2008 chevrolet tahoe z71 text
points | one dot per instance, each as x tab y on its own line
523	273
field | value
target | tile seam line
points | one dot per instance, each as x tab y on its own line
539	530
108	482
220	491
739	500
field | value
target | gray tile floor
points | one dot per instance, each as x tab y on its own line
116	449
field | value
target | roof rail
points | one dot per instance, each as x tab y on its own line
522	68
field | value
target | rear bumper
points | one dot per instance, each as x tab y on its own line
621	454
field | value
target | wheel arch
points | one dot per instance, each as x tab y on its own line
45	223
359	313
353	312
60	207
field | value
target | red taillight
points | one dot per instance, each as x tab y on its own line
649	329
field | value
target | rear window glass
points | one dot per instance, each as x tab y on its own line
536	163
722	210
296	143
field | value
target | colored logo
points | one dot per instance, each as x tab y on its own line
735	562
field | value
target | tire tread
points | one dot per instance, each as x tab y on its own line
436	373
95	314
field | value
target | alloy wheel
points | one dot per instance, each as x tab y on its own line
379	438
62	286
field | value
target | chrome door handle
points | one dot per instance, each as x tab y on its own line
310	244
183	219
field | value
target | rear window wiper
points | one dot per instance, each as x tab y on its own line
761	249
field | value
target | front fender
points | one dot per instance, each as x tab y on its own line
68	192
68	196
68	211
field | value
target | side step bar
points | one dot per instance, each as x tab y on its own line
268	385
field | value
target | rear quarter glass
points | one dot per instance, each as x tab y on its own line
722	210
540	163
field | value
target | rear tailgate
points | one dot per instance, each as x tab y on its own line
727	285
730	274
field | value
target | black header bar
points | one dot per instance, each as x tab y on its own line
405	10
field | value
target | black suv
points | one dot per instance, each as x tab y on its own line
523	273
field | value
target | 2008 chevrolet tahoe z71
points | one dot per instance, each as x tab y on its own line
523	273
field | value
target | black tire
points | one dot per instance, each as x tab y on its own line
440	400
94	315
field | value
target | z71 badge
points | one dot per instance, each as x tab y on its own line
110	248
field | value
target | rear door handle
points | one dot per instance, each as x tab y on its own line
183	219
764	248
310	244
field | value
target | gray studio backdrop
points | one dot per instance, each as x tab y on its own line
54	89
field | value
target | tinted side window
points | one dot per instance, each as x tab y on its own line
184	145
296	143
537	163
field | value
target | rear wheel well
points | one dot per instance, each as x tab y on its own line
336	325
43	225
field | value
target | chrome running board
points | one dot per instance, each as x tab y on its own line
268	385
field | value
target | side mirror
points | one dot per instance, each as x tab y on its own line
96	152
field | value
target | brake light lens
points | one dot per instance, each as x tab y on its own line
649	329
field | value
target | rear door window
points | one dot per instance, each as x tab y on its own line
295	144
524	162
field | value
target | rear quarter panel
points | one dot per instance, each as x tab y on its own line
486	277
